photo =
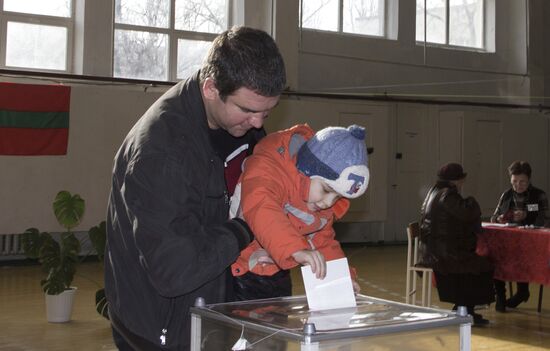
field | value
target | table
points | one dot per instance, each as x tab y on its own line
287	324
519	254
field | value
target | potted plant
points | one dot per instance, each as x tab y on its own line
58	258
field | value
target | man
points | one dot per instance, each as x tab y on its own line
168	237
448	235
522	204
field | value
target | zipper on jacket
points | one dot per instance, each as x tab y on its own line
164	331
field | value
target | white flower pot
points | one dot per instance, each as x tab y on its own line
59	307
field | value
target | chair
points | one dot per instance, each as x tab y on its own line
413	232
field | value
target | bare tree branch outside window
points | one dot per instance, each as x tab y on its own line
143	54
465	19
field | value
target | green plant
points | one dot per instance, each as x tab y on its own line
59	258
98	237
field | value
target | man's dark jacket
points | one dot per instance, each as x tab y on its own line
448	231
168	237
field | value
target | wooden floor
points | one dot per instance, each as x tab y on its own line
381	270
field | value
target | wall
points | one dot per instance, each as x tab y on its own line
484	140
101	116
403	66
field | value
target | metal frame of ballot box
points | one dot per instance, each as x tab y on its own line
290	319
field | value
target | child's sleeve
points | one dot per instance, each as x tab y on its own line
324	241
262	199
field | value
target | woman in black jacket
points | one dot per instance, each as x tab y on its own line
448	234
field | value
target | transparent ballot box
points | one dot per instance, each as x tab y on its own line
287	324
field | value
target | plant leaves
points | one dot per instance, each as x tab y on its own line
58	258
59	261
68	209
101	303
31	242
98	237
50	254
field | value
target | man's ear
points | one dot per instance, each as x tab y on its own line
209	89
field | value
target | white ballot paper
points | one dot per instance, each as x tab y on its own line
335	291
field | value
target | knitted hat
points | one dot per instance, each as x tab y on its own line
451	171
338	156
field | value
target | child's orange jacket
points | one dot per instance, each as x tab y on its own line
273	195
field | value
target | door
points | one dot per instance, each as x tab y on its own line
411	166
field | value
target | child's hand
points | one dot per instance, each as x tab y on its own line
261	257
314	259
356	287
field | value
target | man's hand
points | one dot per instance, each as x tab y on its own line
314	259
500	219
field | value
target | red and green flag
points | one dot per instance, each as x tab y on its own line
34	119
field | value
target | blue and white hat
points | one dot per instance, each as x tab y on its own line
338	156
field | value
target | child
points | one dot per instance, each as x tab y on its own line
292	189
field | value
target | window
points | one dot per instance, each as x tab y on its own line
364	17
165	39
37	34
451	22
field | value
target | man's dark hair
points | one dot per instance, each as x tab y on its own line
520	167
245	57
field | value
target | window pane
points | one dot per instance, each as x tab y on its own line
209	16
436	16
36	46
141	55
364	17
191	54
320	14
150	13
59	8
466	23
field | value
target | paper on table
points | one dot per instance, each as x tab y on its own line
488	224
335	291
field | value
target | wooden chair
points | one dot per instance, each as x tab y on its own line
413	232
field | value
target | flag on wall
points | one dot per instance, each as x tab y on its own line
34	119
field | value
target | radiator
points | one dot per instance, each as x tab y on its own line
11	249
10	245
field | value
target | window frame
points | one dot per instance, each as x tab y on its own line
447	45
173	36
47	20
384	25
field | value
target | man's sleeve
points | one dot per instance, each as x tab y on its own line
177	250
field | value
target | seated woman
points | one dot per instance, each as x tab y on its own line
448	235
522	204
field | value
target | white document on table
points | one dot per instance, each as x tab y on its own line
487	224
335	291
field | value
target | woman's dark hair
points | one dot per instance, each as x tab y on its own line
520	167
245	57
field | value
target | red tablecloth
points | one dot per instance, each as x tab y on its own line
519	254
